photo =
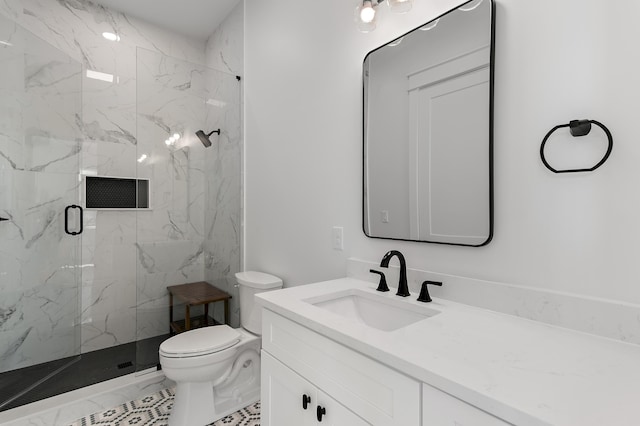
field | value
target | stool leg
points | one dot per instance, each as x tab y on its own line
226	311
170	312
187	317
206	314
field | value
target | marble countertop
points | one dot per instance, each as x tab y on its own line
522	371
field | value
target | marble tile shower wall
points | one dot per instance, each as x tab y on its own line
171	99
223	195
128	258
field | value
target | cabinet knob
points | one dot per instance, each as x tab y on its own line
306	399
320	411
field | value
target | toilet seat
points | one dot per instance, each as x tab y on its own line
200	342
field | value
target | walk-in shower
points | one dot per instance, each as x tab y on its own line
90	304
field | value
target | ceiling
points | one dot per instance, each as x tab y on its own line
195	18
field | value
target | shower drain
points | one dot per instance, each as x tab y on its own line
125	365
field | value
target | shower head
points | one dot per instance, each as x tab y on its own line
204	138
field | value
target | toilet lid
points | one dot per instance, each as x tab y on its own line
201	341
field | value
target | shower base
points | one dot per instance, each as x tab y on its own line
76	372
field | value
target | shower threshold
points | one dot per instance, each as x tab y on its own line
31	384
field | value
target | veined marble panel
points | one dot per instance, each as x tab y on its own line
108	314
38	318
161	265
108	311
40	125
183	258
39	158
108	245
35	250
76	26
171	100
39	279
223	195
109	116
225	50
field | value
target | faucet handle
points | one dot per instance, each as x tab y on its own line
382	285
424	291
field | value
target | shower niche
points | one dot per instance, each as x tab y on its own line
116	193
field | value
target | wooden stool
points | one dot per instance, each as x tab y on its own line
194	294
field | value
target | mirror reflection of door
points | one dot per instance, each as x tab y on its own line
448	106
427	132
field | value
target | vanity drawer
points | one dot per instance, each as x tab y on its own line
441	409
373	391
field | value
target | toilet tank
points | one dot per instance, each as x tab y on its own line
251	283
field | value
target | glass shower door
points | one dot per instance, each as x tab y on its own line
40	272
191	232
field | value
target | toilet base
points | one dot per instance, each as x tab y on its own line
189	395
212	405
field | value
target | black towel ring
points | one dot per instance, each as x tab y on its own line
578	128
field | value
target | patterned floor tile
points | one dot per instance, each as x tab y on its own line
154	410
248	416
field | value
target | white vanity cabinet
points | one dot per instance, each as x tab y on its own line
352	389
290	400
297	361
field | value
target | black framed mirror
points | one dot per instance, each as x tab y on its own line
428	131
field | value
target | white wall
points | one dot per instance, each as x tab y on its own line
555	61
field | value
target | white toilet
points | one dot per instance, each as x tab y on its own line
217	369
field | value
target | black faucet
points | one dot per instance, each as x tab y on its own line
403	288
382	285
424	291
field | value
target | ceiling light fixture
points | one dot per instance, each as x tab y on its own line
365	13
431	25
470	5
395	42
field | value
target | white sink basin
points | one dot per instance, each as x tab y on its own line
384	312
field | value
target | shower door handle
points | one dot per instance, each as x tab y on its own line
66	220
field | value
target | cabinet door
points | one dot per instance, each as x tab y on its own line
335	414
282	391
